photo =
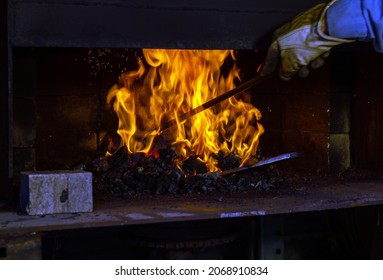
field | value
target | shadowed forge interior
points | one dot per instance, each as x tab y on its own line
59	120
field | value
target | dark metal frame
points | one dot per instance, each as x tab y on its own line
5	105
195	24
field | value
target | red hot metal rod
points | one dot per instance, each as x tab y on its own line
241	88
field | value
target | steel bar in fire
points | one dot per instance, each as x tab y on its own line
241	88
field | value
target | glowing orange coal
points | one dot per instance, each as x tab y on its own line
168	83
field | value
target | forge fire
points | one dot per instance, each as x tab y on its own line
169	83
148	155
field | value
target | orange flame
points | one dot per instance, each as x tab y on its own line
174	82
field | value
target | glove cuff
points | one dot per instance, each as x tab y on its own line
321	22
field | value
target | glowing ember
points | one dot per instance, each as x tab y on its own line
168	83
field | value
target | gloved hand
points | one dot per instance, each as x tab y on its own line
300	44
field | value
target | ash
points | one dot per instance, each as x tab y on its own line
133	175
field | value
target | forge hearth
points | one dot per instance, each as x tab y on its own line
96	24
68	126
59	127
71	126
59	74
54	112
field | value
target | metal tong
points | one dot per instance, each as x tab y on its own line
241	88
264	162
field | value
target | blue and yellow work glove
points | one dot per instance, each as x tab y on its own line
301	44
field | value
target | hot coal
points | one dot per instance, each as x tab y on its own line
226	162
193	165
131	175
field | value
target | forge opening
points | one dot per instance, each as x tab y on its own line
62	119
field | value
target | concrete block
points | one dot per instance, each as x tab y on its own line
50	192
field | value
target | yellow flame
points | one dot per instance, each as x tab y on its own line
174	82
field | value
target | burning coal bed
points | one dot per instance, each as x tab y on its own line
133	175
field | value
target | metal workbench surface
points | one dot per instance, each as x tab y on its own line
303	197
